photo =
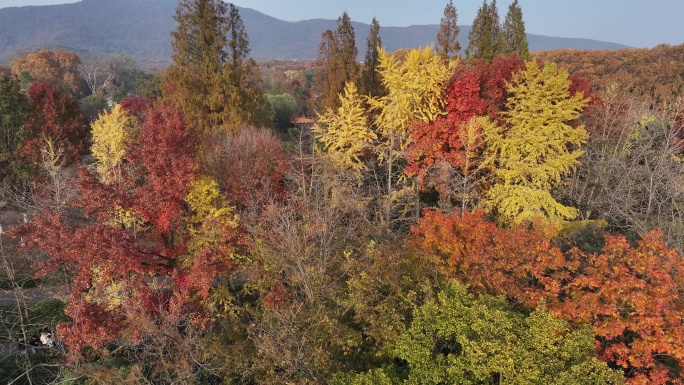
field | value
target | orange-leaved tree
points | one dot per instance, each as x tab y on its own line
521	262
632	296
59	67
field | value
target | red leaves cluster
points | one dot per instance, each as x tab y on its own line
54	115
123	275
160	165
164	157
442	140
473	91
78	250
250	165
277	295
631	295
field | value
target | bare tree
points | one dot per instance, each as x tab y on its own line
18	332
631	173
100	70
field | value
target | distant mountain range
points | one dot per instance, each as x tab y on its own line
141	29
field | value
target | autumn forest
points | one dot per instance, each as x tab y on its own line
437	215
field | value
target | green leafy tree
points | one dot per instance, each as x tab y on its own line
447	37
514	32
371	83
284	109
458	338
92	106
345	135
199	54
485	40
535	146
461	339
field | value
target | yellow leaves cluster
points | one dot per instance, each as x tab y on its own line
345	135
209	204
126	219
637	131
205	200
213	215
535	146
414	81
106	291
111	132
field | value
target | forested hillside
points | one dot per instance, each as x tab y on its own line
464	213
140	29
653	75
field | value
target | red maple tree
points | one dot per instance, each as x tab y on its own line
129	257
54	115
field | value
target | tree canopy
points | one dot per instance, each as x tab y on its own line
485	39
448	45
535	146
337	56
211	79
513	31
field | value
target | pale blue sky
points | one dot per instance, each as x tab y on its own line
638	23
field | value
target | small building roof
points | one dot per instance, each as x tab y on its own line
302	120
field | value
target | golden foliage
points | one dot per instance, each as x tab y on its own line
213	215
110	134
535	146
345	135
414	82
58	67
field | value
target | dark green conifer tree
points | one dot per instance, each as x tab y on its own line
348	51
447	37
238	41
514	32
244	74
14	109
371	83
211	79
485	40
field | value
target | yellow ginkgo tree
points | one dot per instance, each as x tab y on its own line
344	135
414	81
111	132
534	147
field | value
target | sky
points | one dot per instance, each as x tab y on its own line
636	23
